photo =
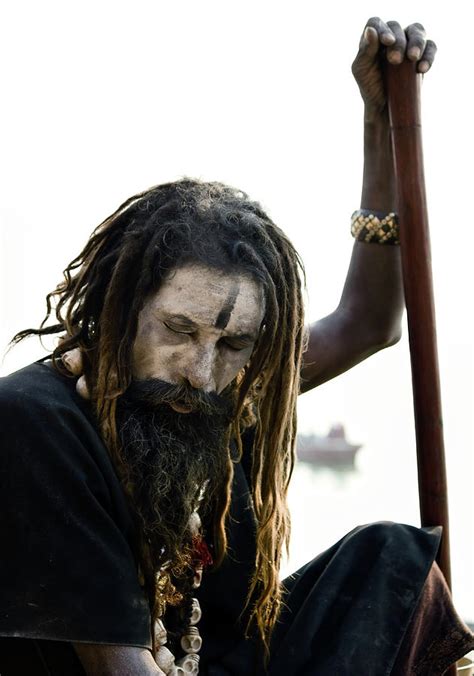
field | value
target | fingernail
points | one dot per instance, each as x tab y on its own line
367	32
395	57
423	67
414	53
388	38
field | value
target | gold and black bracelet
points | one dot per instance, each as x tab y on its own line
375	227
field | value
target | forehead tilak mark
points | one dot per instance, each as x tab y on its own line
224	315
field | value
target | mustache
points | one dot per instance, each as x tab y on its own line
153	392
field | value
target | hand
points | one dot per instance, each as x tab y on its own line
72	360
388	41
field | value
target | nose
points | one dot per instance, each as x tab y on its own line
199	372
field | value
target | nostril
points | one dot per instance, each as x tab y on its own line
201	380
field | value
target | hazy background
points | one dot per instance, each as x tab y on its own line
103	99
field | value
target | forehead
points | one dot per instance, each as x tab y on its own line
207	296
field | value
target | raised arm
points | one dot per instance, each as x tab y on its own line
369	313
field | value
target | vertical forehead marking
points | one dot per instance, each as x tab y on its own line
224	315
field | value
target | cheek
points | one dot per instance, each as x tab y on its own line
164	362
229	366
155	353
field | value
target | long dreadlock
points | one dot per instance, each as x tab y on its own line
97	305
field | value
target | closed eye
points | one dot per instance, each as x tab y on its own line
237	344
179	329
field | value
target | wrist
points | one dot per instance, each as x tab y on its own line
376	116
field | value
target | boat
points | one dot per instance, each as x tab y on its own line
332	450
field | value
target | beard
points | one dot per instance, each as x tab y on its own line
174	462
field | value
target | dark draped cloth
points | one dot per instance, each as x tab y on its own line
374	603
371	604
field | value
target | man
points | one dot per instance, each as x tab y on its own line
183	320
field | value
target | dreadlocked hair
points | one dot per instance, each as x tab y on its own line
97	305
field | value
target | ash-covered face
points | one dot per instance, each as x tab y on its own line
198	329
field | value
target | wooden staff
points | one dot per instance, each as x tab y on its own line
403	90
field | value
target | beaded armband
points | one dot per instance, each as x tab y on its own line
375	227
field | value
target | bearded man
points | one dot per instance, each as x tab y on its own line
173	451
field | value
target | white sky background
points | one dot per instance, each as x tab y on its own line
104	99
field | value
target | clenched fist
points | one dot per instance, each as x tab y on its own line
388	41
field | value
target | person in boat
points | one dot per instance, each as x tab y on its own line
146	462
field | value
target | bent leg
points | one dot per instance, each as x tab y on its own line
348	610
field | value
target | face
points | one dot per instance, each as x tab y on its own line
199	328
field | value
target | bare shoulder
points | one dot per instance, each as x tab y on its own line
109	660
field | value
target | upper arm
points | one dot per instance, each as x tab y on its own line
109	660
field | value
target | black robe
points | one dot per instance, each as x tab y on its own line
68	567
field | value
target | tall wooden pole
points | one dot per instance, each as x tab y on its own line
403	90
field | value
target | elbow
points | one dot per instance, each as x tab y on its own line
384	327
375	331
386	336
395	337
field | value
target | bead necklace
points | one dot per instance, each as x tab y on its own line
191	641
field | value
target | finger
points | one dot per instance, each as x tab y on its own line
428	57
416	41
386	36
72	360
369	45
82	389
396	52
